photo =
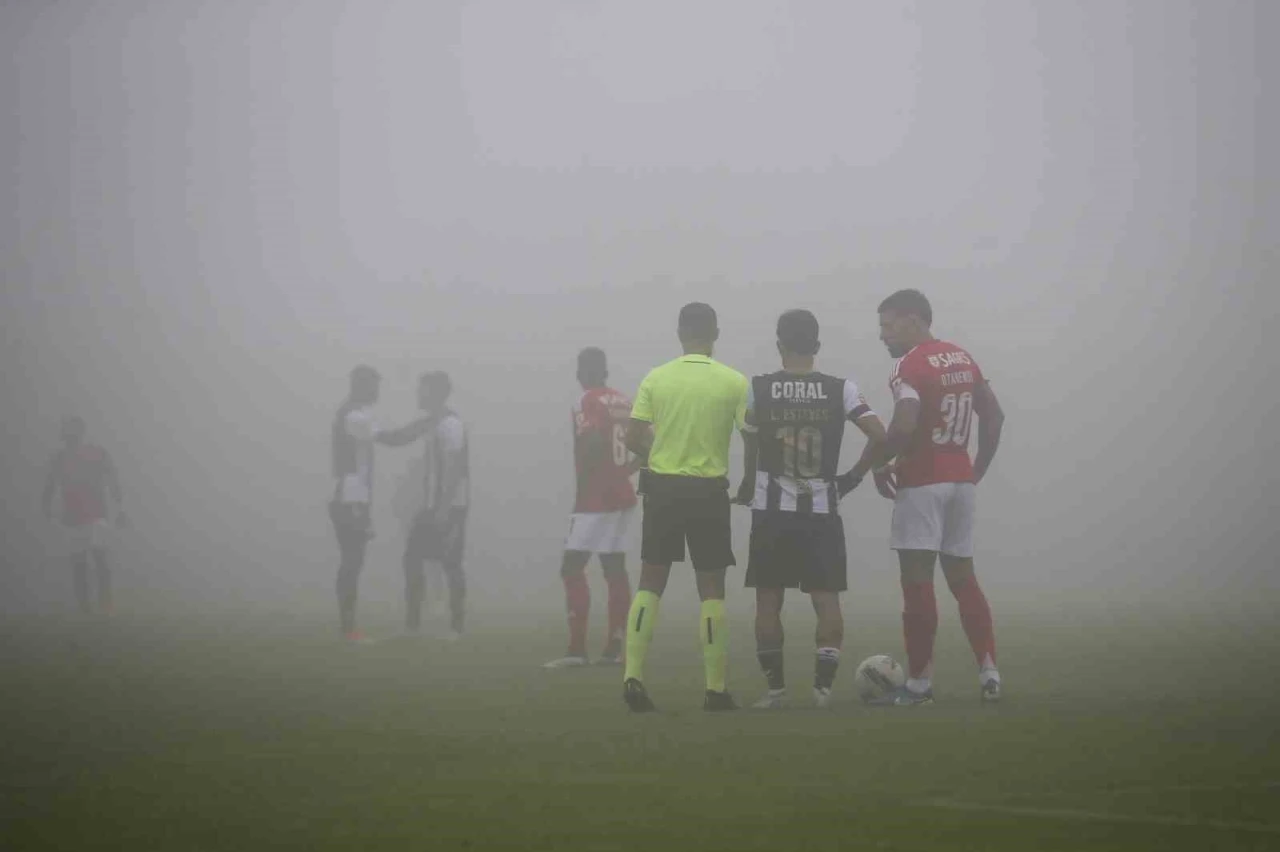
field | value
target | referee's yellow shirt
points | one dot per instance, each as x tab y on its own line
694	404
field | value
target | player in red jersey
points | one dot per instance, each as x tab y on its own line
602	511
84	476
937	388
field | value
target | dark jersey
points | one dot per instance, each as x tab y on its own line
799	421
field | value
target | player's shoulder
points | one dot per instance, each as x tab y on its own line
943	355
613	398
729	374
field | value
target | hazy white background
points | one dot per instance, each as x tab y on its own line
210	211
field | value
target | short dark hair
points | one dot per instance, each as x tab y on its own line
908	302
364	373
798	331
592	358
439	380
698	320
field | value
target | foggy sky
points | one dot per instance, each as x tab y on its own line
211	211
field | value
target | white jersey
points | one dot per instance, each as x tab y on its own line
355	476
446	439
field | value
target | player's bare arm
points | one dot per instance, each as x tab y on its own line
990	425
872	427
906	416
750	459
404	435
639	439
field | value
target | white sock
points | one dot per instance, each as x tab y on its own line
919	685
988	674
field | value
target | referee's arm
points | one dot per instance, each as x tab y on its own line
639	439
750	452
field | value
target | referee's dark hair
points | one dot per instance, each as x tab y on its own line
698	323
798	332
908	303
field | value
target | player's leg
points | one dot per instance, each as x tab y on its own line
825	577
662	543
577	601
916	534
828	640
711	551
769	639
614	567
80	581
919	618
451	563
414	565
957	567
764	574
612	548
102	574
352	538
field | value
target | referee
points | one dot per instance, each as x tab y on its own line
682	421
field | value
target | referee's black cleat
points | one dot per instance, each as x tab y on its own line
718	702
636	696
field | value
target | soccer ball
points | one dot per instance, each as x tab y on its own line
878	676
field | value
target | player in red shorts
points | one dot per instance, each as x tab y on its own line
83	475
602	511
937	388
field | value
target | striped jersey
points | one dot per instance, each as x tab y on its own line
799	422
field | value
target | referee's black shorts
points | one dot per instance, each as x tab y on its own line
789	549
680	509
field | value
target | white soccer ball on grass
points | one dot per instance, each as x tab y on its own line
877	677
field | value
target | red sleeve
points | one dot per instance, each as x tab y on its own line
909	371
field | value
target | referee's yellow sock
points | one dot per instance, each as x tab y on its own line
715	644
640	621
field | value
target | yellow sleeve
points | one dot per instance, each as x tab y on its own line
642	407
740	415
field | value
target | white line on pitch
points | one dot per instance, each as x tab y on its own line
1099	816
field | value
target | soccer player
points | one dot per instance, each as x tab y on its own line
790	481
353	434
83	475
439	532
937	389
602	509
681	424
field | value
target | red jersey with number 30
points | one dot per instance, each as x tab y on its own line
942	376
606	487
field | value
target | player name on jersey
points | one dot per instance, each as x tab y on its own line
796	391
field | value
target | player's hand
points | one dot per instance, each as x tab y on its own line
746	493
845	483
886	480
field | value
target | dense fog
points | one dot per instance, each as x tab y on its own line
212	211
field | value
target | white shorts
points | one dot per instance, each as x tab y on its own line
83	538
936	517
599	532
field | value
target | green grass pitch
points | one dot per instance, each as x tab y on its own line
1123	729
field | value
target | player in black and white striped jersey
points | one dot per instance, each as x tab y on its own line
792	485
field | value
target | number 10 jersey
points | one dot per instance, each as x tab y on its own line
799	422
